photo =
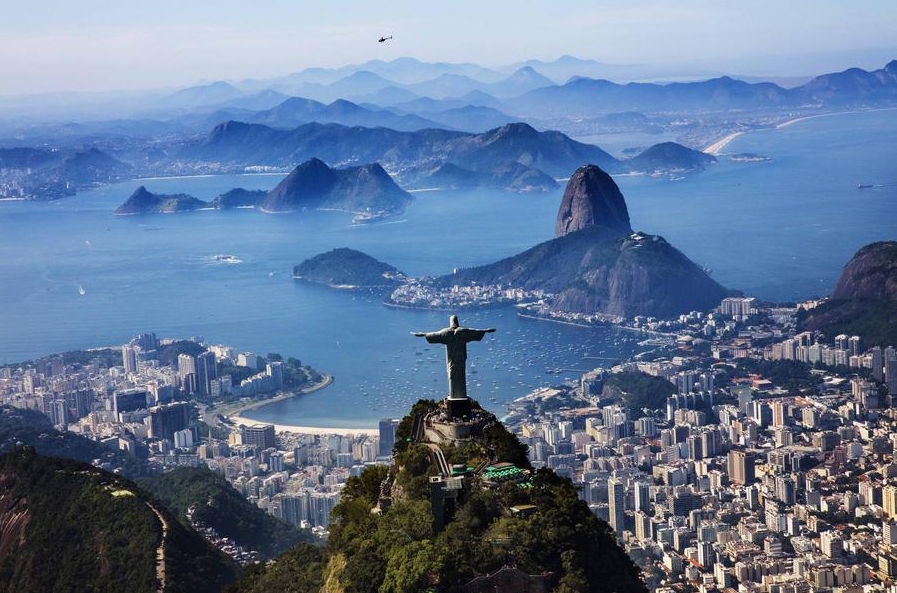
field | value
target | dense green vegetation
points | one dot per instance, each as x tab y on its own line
72	527
298	570
638	390
346	267
168	354
793	375
400	550
872	320
219	506
106	356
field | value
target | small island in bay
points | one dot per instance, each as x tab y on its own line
144	201
748	157
346	268
669	157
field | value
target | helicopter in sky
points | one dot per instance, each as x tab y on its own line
382	39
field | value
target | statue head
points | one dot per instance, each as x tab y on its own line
453	322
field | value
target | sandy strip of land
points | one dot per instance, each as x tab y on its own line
321	430
719	145
235	415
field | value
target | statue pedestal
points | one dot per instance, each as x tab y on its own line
458	408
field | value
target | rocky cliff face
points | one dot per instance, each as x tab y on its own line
595	271
871	275
305	186
597	264
592	199
864	301
644	275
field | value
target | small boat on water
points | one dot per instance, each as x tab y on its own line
81	290
864	185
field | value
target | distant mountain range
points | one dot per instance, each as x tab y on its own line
585	96
534	89
446	125
514	156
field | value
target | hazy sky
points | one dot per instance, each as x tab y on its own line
122	44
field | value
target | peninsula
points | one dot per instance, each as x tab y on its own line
595	265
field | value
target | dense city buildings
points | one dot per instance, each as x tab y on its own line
765	463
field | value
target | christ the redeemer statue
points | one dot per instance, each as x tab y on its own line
455	339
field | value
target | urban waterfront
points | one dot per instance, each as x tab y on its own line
779	230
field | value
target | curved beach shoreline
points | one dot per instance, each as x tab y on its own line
238	416
717	147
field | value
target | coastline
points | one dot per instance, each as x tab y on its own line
719	145
716	147
201	175
609	325
239	417
790	122
315	430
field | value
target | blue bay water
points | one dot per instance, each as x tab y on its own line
779	230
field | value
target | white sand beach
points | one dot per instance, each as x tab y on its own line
320	430
716	148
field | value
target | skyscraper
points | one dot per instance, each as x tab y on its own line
146	341
387	436
129	400
206	372
642	496
187	372
741	467
877	363
168	419
275	371
260	435
616	496
129	358
891	376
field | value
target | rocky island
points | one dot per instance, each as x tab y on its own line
367	191
144	201
348	269
669	157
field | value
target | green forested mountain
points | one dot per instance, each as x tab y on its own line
67	526
384	537
217	505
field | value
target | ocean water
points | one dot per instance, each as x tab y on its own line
780	230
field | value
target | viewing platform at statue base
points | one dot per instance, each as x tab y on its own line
456	420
